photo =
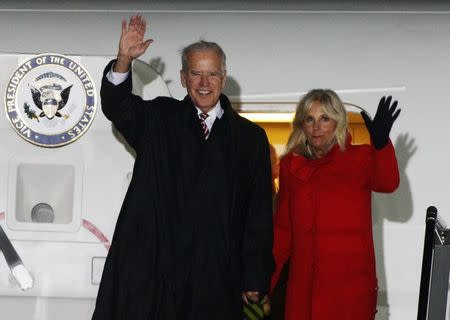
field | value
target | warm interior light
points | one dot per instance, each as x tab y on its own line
274	117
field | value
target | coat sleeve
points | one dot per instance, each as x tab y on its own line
128	112
257	244
384	176
281	225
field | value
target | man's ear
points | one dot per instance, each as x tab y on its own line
224	79
183	78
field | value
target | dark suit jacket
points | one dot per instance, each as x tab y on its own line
148	263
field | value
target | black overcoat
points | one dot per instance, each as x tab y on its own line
152	269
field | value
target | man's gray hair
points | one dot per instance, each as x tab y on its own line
200	46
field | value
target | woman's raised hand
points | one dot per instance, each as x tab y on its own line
381	125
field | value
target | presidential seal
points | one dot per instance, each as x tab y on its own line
50	100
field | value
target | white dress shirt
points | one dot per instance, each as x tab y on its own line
213	113
116	78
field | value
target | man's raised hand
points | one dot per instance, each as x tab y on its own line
132	43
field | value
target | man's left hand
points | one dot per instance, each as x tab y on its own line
252	296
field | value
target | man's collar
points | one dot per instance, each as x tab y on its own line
214	112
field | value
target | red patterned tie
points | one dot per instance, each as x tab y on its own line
205	129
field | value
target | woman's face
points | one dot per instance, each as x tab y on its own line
320	130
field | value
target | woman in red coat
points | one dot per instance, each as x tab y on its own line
323	221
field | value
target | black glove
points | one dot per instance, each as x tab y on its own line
380	127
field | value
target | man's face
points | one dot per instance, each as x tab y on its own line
204	79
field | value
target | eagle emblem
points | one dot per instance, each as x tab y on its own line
50	97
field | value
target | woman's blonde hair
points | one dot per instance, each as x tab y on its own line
332	106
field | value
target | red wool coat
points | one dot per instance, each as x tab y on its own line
323	224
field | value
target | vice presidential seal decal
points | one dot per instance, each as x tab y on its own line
50	100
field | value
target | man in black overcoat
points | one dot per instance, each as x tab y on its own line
194	236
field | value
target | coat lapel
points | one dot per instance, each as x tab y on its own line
231	118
